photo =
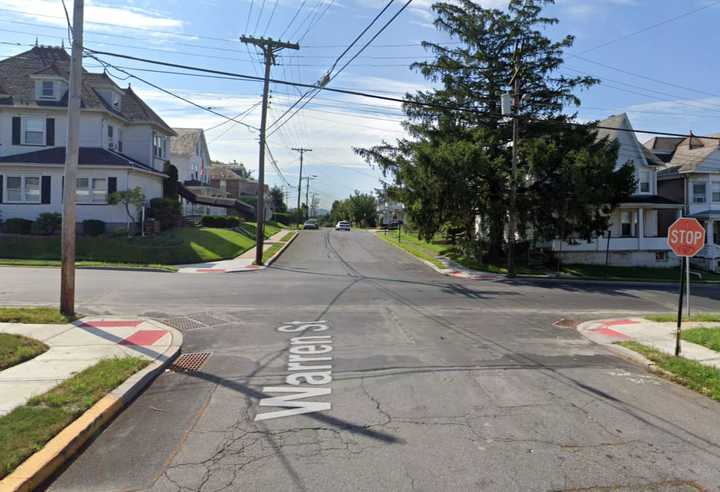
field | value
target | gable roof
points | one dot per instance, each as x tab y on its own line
16	81
186	140
618	129
89	156
694	152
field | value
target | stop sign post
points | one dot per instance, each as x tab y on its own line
686	237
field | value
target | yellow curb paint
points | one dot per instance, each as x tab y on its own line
41	465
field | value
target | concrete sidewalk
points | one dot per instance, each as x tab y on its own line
77	346
244	262
660	336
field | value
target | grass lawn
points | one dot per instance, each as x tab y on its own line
176	246
672	317
287	237
413	245
26	429
15	349
633	273
87	264
270	252
33	315
707	337
703	379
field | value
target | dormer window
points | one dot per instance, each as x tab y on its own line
48	89
116	100
644	181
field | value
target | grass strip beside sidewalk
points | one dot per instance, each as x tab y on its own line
270	252
696	376
87	264
672	317
287	237
707	337
15	349
414	246
27	428
33	315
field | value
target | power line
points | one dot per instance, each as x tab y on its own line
272	14
317	20
257	23
247	22
445	107
297	12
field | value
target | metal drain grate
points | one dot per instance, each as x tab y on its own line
184	324
206	319
566	323
190	362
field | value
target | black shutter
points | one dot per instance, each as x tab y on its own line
16	128
50	132
1	188
45	189
112	185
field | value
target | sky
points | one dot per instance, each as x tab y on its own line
655	59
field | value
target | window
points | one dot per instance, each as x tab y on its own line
716	191
34	131
23	189
698	192
158	146
626	221
644	181
661	256
91	190
110	131
48	89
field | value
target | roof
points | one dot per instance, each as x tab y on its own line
89	156
186	140
630	148
694	152
706	214
16	80
652	199
663	145
223	172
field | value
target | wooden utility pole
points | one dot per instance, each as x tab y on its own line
302	152
72	155
307	194
512	220
269	47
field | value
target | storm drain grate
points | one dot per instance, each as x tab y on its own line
566	323
206	319
190	362
184	324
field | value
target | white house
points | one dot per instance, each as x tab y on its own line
693	177
638	227
123	143
189	153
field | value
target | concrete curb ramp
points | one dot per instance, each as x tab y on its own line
34	471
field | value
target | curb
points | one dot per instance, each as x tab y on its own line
619	350
35	470
281	250
110	268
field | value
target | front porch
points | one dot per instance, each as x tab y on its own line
709	256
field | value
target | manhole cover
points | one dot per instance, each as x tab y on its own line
184	324
190	362
206	319
566	323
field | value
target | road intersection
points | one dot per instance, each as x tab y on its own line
437	383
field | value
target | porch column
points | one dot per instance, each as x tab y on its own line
641	227
710	231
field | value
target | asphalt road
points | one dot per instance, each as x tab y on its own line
437	383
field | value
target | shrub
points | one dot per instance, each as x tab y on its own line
284	218
166	211
220	221
94	227
48	223
18	226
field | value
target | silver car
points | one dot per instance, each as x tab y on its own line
343	225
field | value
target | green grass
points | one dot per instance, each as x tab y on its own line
29	427
287	237
33	315
632	273
672	317
413	245
707	337
15	349
86	264
270	252
176	246
703	379
271	228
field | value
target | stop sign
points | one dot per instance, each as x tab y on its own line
686	237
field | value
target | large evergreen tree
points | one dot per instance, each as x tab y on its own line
455	167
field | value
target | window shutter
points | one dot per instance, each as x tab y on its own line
50	132
112	185
45	189
16	128
1	188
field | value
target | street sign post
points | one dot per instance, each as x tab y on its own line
686	237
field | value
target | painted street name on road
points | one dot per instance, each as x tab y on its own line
309	372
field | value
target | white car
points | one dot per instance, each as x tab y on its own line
343	225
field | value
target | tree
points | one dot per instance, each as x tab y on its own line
456	166
170	184
277	200
134	199
359	208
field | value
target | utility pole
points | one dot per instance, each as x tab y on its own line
72	155
302	152
512	222
307	193
269	47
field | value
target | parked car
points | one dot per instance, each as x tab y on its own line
343	225
310	224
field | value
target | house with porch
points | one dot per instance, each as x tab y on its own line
637	235
123	142
692	176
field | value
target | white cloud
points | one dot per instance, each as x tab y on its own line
51	12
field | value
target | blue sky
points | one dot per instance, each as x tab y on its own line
664	76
